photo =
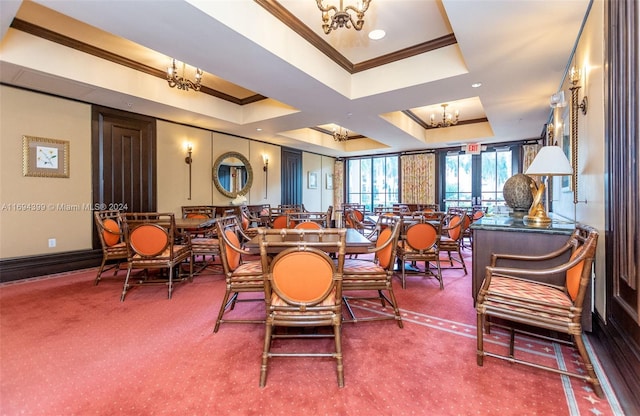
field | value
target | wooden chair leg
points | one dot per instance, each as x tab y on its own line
480	339
265	353
593	379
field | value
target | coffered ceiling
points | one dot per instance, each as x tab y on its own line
271	74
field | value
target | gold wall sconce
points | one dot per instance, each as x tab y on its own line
265	168
574	77
189	160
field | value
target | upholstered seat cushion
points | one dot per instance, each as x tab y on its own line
328	302
528	298
356	266
250	267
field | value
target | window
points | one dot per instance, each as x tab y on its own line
458	180
475	179
373	181
496	169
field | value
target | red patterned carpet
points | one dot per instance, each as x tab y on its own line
71	348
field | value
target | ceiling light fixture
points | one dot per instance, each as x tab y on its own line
448	120
377	34
339	136
180	81
333	18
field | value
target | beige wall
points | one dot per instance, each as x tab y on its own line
320	198
34	210
55	207
590	208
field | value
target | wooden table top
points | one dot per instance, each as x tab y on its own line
355	243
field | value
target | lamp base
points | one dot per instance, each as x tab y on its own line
537	221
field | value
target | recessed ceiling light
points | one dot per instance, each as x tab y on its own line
377	34
476	84
258	129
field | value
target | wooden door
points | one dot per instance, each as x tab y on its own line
291	176
123	161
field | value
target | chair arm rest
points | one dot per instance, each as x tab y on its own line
523	257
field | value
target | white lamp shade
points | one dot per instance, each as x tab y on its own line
550	161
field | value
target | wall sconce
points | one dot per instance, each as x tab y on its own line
188	160
265	168
574	78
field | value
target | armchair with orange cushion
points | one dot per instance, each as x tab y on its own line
375	274
420	243
303	289
451	239
519	297
114	247
150	238
241	275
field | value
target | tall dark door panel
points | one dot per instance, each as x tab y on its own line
291	176
123	161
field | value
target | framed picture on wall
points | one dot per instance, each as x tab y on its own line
45	157
329	181
312	180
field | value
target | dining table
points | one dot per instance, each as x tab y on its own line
355	242
194	224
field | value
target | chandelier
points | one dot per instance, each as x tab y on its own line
339	136
180	81
333	18
447	119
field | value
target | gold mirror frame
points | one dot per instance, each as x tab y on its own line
216	177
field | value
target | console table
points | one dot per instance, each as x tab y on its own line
508	234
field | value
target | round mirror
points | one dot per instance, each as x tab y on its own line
232	174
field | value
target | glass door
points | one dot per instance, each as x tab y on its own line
475	180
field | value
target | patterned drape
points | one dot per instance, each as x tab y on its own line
529	152
338	184
418	178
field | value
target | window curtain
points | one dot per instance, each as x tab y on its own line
338	184
529	152
418	178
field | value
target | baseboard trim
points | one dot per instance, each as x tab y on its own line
620	359
31	266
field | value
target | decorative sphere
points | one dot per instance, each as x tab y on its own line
517	192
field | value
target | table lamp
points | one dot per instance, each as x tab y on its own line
550	161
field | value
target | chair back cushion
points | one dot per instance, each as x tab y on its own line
111	232
384	255
233	257
454	225
196	215
308	225
358	214
421	236
574	274
302	277
149	240
280	222
245	221
477	215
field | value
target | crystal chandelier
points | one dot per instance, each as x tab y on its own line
333	18
448	120
339	136
180	81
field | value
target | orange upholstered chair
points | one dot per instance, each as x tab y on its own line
241	276
375	274
151	245
114	247
420	243
519	294
451	239
303	288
